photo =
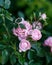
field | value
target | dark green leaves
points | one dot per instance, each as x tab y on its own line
32	62
12	59
8	16
1	2
22	26
5	3
48	57
21	59
5	37
4	57
1	20
38	48
20	14
31	54
2	46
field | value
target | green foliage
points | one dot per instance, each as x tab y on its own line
4	57
9	11
5	3
12	59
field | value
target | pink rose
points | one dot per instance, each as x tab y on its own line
36	34
48	42
51	49
21	33
37	25
24	45
43	16
27	24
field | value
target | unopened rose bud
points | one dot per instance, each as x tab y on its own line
43	16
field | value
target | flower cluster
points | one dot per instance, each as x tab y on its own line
23	34
32	31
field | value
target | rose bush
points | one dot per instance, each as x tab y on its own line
25	37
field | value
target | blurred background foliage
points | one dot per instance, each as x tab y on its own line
9	11
25	8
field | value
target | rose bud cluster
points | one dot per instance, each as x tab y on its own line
24	34
48	42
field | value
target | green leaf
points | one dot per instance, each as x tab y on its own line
8	16
45	23
20	14
25	63
7	4
36	46
32	62
1	2
2	46
13	59
4	56
21	59
48	57
0	58
31	54
39	50
1	20
18	63
5	37
46	33
22	26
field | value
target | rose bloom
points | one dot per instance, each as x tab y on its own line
24	45
43	16
37	25
26	24
36	35
48	42
21	33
